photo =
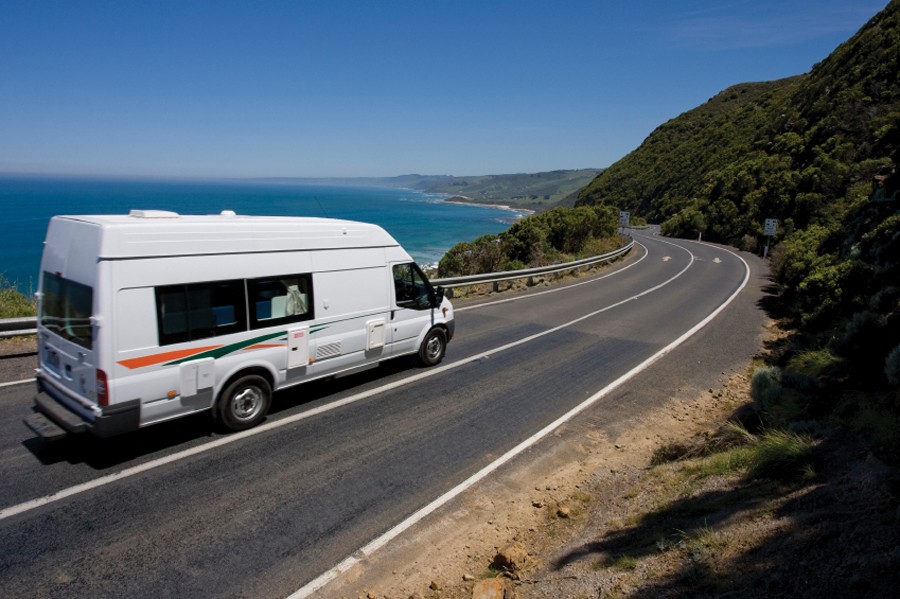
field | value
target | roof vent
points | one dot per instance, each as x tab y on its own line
153	214
227	213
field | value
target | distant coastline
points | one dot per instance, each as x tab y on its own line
466	201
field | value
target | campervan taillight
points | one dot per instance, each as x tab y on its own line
102	389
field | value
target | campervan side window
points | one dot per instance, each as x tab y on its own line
200	310
66	309
279	300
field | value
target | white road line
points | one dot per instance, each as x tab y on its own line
268	426
21	382
318	583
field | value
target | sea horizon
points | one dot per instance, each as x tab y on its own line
425	224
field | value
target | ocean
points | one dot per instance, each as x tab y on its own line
425	224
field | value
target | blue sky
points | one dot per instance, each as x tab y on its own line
378	88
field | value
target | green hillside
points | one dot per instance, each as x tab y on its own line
797	150
534	191
819	153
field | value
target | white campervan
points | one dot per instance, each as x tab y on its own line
154	315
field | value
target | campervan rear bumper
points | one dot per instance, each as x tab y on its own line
53	414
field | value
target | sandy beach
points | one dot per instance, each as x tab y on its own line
467	201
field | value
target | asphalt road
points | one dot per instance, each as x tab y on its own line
179	510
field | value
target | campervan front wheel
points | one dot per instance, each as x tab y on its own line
433	347
244	402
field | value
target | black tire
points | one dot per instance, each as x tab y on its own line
244	402
433	348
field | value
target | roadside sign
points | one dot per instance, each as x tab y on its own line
769	230
624	218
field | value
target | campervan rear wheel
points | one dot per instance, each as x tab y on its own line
245	402
433	347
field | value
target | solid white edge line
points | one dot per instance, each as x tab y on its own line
322	580
21	382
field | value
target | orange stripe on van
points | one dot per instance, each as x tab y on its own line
264	346
164	357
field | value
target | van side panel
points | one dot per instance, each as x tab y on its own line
154	374
134	317
348	303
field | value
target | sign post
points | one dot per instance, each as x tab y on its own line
771	227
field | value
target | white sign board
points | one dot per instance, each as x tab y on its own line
624	218
771	227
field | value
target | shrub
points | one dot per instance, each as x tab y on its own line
781	454
558	235
749	243
14	304
812	363
805	370
777	404
765	386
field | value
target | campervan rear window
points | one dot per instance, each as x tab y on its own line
200	310
66	308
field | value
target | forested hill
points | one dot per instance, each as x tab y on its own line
818	152
798	149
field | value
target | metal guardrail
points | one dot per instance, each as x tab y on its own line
496	277
16	327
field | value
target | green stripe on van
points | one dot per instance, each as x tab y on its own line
227	349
